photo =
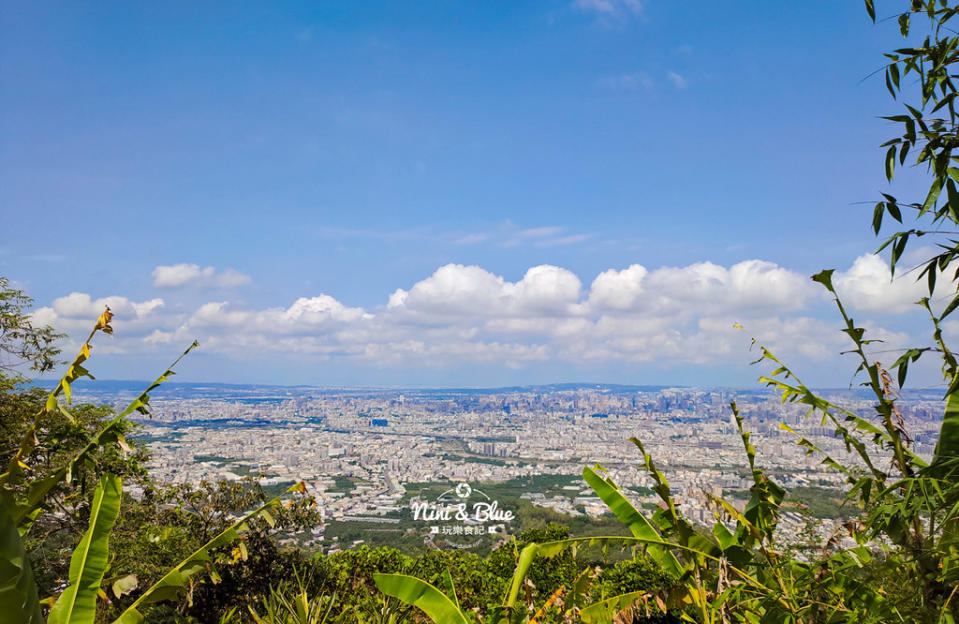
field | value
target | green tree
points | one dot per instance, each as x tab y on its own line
22	342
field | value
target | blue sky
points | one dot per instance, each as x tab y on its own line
398	168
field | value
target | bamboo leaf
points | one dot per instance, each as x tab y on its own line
762	509
932	197
877	215
825	278
950	308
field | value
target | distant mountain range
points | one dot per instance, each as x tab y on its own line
118	389
121	388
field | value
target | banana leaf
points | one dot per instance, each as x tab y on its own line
18	591
78	602
422	595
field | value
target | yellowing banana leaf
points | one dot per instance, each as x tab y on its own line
605	611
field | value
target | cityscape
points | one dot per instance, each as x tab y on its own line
359	451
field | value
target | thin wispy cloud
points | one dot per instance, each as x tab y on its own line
472	239
635	82
539	232
184	274
46	257
409	234
630	82
572	239
609	12
509	235
678	80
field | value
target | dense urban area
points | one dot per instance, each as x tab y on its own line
369	455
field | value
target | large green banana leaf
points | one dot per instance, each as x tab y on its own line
78	602
18	591
421	594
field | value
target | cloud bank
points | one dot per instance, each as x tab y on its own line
192	275
462	314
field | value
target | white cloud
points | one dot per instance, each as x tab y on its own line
618	290
81	306
678	81
539	232
76	313
610	9
628	82
466	313
509	235
813	338
670	316
571	239
749	287
461	291
306	315
191	274
472	239
868	286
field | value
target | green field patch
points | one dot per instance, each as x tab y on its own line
477	459
346	484
820	503
214	459
507	439
147	438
